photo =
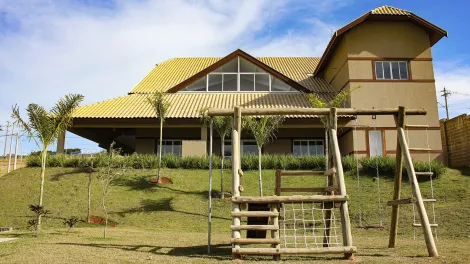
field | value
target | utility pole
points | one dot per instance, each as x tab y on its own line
11	142
6	139
445	94
16	151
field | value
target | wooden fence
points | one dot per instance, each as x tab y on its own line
455	135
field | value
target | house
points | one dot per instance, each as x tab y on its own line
386	52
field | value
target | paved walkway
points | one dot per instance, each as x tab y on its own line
6	239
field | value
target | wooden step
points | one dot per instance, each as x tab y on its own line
277	251
254	227
401	201
419	225
416	126
429	200
249	241
303	173
424	173
254	214
311	190
287	199
419	149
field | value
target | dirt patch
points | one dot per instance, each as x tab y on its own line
163	180
98	220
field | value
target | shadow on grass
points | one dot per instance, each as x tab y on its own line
58	176
218	251
164	204
464	171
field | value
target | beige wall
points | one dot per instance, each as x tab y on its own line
336	71
278	146
346	143
388	40
422	70
193	148
145	145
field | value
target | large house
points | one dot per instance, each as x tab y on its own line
386	52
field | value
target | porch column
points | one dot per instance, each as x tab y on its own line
204	137
61	143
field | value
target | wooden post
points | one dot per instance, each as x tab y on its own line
236	221
209	204
400	122
275	233
278	182
431	246
330	179
345	221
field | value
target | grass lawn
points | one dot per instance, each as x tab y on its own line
168	223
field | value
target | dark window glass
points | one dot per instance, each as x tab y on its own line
215	82
250	147
228	149
297	148
262	82
197	86
230	82
395	71
387	72
247	82
403	70
379	70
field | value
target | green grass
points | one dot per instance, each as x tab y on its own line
168	223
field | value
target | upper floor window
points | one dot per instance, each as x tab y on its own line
391	70
239	75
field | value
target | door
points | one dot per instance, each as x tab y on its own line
375	143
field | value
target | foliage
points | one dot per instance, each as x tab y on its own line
73	151
248	162
71	222
38	210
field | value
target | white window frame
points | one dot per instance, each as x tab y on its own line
379	141
172	145
241	144
238	82
391	72
308	146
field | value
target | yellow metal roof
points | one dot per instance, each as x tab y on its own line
170	73
188	105
389	10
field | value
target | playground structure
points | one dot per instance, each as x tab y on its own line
309	224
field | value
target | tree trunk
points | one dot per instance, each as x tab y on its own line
259	173
222	144
103	203
41	188
160	151
89	193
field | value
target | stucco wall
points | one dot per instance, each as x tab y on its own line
336	70
193	148
278	146
145	145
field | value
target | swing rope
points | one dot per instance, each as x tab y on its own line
357	174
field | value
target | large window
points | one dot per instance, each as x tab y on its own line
239	75
308	147
248	147
170	147
391	70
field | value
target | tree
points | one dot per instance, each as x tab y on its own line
338	100
223	127
160	106
263	129
45	127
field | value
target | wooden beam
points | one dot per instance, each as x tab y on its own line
313	111
275	233
254	227
277	190
249	241
276	251
401	201
309	190
400	122
254	214
288	199
236	130
428	237
416	126
419	225
424	173
302	173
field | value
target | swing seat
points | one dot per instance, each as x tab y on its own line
367	227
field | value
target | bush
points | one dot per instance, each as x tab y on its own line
367	165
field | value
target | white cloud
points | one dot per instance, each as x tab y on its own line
59	47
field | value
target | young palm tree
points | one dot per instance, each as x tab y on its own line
223	127
160	105
319	102
45	127
263	129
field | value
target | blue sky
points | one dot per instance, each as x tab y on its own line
102	48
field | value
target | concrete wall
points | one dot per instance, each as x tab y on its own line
194	148
278	146
145	145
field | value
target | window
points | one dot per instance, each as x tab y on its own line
308	147
239	75
375	143
391	70
248	147
170	147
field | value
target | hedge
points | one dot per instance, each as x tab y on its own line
249	162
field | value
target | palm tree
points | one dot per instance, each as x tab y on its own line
338	100
45	127
223	127
262	129
160	106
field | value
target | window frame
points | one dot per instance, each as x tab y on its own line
239	73
241	144
308	144
368	146
390	61
172	146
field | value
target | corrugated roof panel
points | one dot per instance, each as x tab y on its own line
188	105
389	10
